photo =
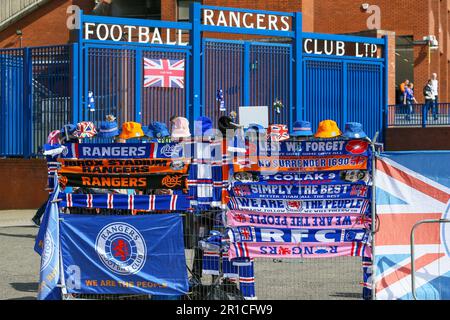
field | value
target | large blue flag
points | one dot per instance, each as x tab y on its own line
48	237
124	254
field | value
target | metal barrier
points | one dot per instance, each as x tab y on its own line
35	96
413	270
418	115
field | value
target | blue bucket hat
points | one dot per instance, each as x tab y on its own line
202	125
354	130
147	131
158	129
69	128
108	129
302	129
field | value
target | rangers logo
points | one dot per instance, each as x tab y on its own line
121	248
294	205
171	150
171	181
48	251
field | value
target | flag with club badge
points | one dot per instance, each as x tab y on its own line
47	243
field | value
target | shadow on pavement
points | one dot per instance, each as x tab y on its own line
25	286
30	236
24	298
347	295
28	226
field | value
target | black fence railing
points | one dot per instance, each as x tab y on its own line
418	115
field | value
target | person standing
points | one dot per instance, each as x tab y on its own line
435	86
429	97
409	100
403	87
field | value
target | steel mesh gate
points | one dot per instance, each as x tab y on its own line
339	90
250	74
116	79
35	96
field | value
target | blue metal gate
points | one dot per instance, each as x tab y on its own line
345	88
35	96
11	102
115	77
250	74
41	89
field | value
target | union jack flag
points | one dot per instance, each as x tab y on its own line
412	188
164	73
278	132
246	234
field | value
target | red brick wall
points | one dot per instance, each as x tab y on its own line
44	26
417	18
411	139
24	183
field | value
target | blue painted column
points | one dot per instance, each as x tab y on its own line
195	68
75	82
27	103
298	65
138	86
386	86
246	75
81	75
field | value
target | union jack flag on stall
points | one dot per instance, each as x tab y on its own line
412	187
164	73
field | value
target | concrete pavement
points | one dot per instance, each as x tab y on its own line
19	264
289	279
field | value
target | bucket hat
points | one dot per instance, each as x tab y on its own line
354	130
68	129
180	128
159	130
147	131
85	129
67	133
202	125
302	129
131	130
53	137
108	129
328	129
278	132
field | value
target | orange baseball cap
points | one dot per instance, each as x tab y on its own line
131	130
328	129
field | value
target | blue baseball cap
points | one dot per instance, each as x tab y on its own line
159	130
108	129
203	125
354	130
302	129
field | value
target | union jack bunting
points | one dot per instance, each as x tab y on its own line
164	73
412	187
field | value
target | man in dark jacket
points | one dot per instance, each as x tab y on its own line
429	97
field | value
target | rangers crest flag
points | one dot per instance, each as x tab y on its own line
413	187
163	73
